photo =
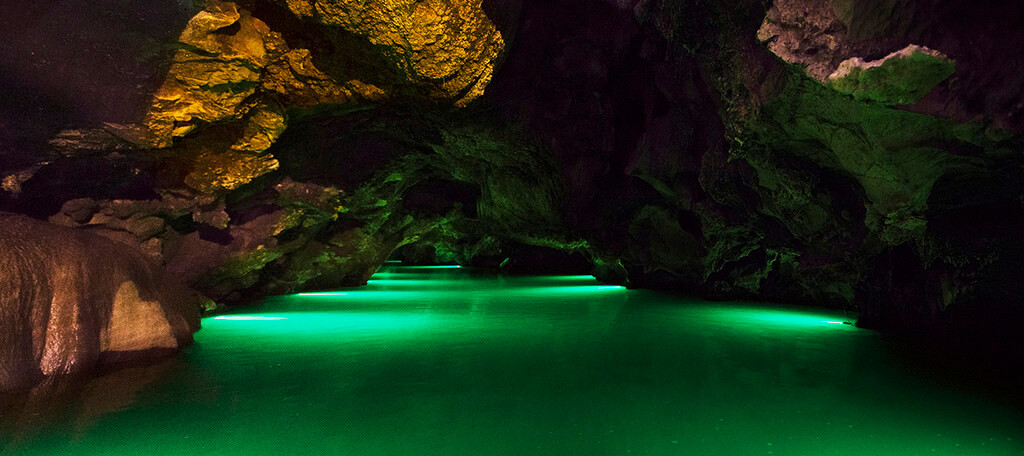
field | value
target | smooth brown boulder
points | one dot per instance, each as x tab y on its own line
71	301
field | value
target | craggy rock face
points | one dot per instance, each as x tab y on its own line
819	35
70	301
447	48
234	70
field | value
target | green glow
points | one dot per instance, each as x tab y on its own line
777	318
441	266
613	287
565	278
307	327
402	282
248	318
510	365
564	290
392	262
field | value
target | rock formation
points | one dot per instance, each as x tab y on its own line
71	300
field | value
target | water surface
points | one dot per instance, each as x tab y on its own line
444	361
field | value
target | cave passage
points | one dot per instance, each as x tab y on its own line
453	361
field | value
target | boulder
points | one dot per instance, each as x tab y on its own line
71	301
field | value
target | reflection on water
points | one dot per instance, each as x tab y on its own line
79	402
450	362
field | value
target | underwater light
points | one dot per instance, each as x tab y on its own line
248	318
433	266
324	293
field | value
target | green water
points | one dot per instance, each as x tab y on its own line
450	362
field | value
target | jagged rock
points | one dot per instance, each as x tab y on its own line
296	79
890	153
12	182
144	223
262	127
70	301
224	50
233	69
77	142
820	35
447	49
215	170
903	77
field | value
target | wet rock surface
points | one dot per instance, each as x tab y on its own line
73	301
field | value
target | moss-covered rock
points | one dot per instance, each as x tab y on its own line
901	78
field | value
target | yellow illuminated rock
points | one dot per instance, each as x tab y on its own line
216	169
218	68
447	49
233	70
299	83
264	125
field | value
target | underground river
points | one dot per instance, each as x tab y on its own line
447	361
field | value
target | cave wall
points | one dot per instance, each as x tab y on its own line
857	154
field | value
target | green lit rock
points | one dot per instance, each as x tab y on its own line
238	272
893	155
903	77
664	245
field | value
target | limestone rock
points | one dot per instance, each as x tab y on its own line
215	170
145	223
12	182
263	126
233	70
818	35
224	51
84	141
71	300
901	78
296	79
448	49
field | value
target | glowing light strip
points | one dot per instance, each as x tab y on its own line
324	293
439	266
248	318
